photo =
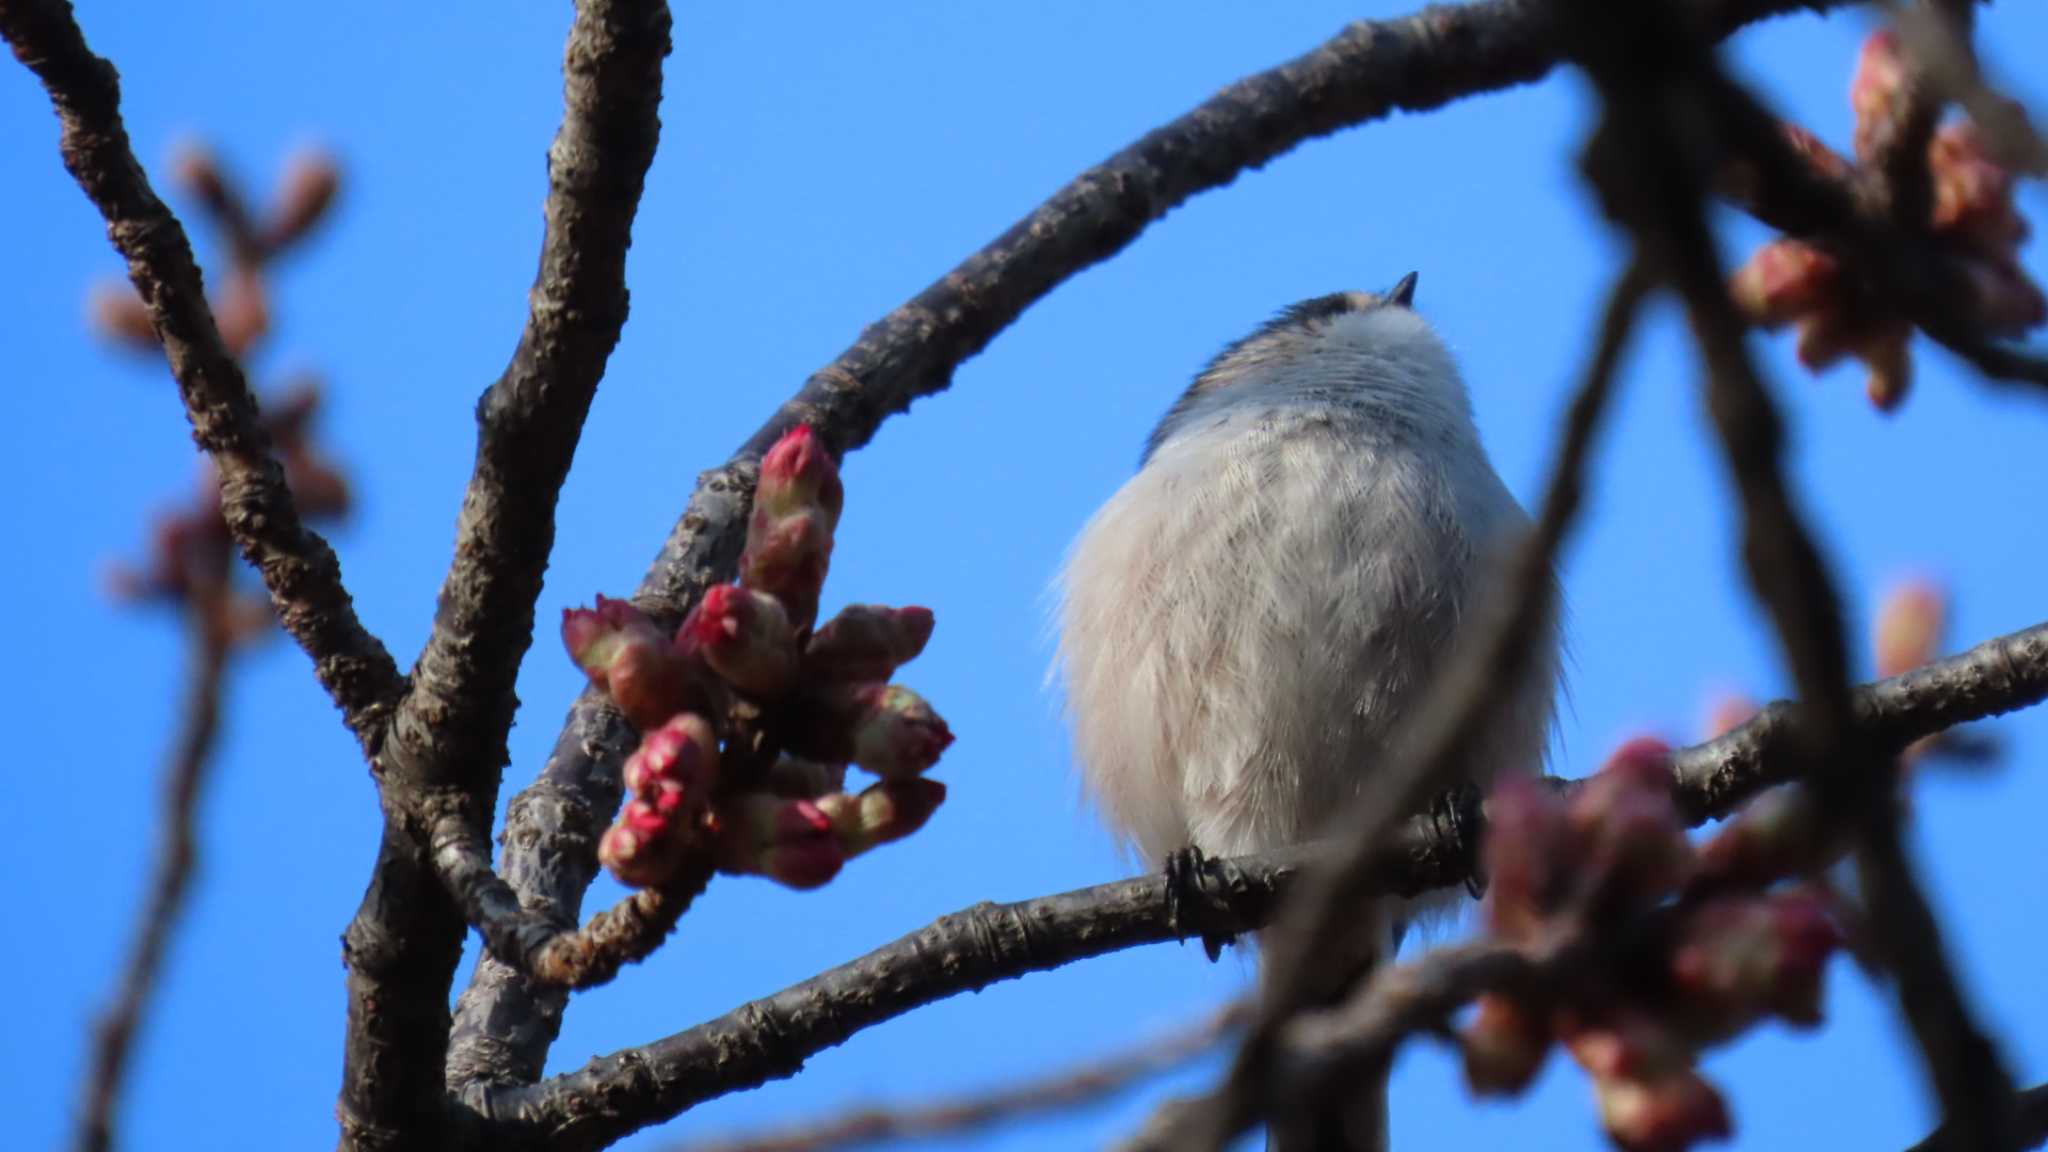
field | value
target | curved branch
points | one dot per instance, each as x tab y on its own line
770	1038
297	566
1444	53
448	736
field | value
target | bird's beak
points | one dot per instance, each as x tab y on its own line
1404	292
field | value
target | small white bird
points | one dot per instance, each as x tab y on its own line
1244	625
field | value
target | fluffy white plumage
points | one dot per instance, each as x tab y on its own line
1244	624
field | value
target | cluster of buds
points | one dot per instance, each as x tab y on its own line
1911	630
191	559
796	704
1811	284
1697	944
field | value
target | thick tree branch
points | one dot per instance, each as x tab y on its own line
770	1038
297	566
177	855
504	1024
448	737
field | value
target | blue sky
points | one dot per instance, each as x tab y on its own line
819	164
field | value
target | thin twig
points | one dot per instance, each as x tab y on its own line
448	736
297	566
1068	1089
504	1024
770	1038
177	857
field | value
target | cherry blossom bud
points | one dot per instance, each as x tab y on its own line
1910	627
1783	280
867	642
306	191
194	166
1737	959
1781	833
885	728
1504	1047
1824	338
746	637
809	779
1626	1043
1668	1113
1879	95
681	756
243	311
787	559
789	841
1727	713
1524	854
1884	351
886	812
798	475
115	312
2006	301
626	654
643	846
1635	848
1825	161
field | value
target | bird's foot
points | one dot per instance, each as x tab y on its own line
1183	890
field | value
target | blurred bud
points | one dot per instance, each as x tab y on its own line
116	313
1825	161
1972	193
1783	280
1634	846
808	779
789	841
243	311
680	756
1879	95
1504	1047
797	475
886	812
1661	1115
1824	338
2006	301
626	654
787	559
1728	712
643	846
867	642
1524	853
1623	1042
194	166
304	194
289	410
1884	350
1740	958
1781	833
746	637
1911	626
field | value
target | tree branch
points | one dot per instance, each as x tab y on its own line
504	1024
1071	1088
448	736
177	853
297	566
770	1038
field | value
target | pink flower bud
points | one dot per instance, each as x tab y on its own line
1884	350
1780	833
1727	713
1910	627
885	728
643	846
886	812
1879	95
1624	1043
680	757
626	654
115	312
1824	338
307	190
867	642
1504	1047
1784	280
787	559
746	637
1737	959
1670	1112
1634	845
2007	302
789	841
1525	852
798	475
